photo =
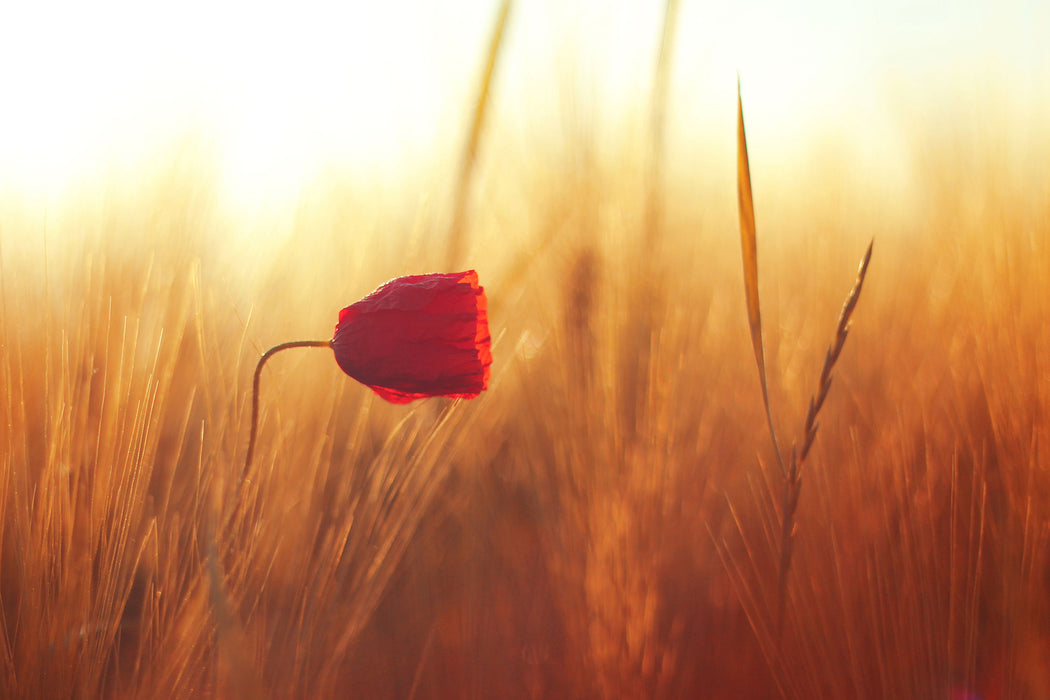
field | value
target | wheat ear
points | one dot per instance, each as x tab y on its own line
791	474
793	479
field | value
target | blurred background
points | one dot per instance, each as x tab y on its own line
183	186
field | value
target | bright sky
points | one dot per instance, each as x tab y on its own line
278	90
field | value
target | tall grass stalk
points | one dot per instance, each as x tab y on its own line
459	224
658	125
791	474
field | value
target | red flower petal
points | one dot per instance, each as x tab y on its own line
418	336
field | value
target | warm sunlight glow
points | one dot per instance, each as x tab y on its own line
276	95
607	383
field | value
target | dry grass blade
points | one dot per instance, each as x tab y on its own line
748	243
457	229
749	247
793	480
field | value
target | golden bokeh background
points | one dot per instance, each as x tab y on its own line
182	187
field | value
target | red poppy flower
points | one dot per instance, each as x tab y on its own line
418	336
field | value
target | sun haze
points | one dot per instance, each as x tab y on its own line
276	94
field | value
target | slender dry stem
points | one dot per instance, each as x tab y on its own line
255	405
228	627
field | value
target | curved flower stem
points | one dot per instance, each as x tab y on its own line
255	407
229	632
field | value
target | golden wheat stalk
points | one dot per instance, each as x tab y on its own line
792	478
793	482
832	356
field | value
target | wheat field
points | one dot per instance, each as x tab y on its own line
604	521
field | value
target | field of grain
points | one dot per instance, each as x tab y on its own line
604	521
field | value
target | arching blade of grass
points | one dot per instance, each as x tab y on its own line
749	247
